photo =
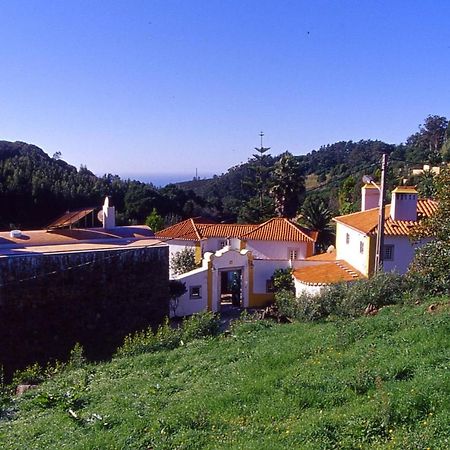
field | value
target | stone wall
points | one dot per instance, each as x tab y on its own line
50	302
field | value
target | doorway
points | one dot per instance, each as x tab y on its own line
231	288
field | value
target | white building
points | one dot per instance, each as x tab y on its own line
237	261
354	256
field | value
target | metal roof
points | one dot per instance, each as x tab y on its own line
70	217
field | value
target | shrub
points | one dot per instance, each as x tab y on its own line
282	280
344	299
33	374
200	325
168	337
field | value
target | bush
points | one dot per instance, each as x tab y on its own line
200	325
183	261
344	299
167	337
429	273
282	280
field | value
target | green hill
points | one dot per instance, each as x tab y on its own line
376	382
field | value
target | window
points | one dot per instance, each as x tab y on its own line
195	292
361	247
222	244
293	254
269	286
388	252
347	238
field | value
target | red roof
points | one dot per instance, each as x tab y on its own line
327	273
277	229
367	221
280	229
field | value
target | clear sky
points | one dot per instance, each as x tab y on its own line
164	86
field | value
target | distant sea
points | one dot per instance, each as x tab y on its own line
161	179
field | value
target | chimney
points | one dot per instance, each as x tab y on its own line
109	215
404	203
370	196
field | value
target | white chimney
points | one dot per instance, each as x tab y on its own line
109	215
404	203
370	196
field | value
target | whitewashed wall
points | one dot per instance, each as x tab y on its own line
350	252
188	306
301	288
404	252
263	271
276	249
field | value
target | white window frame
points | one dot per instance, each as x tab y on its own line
361	247
293	254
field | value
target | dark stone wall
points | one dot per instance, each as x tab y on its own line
50	302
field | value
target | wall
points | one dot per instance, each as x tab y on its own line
350	252
404	252
187	305
301	288
102	298
276	249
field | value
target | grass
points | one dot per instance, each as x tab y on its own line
379	382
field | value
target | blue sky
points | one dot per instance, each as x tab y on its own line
164	87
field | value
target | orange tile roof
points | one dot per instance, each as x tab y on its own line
186	230
279	229
331	256
327	273
367	221
228	230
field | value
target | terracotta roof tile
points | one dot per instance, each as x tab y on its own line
327	273
279	229
226	230
367	221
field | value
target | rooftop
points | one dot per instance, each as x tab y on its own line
74	240
327	273
367	221
277	229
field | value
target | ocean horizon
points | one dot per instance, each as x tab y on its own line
162	179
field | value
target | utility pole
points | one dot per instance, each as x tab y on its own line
380	229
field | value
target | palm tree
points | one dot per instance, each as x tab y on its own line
316	216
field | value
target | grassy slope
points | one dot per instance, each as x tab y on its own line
380	382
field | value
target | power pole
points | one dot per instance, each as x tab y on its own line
380	229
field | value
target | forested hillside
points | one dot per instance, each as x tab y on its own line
36	188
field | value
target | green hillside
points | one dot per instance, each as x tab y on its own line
376	382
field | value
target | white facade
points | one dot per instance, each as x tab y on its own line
280	250
400	254
353	246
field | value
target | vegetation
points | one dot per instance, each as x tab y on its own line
430	270
176	289
346	300
183	261
375	383
35	188
282	280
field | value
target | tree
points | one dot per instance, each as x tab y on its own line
282	280
347	196
176	289
261	168
154	221
288	185
430	269
316	216
183	261
430	137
